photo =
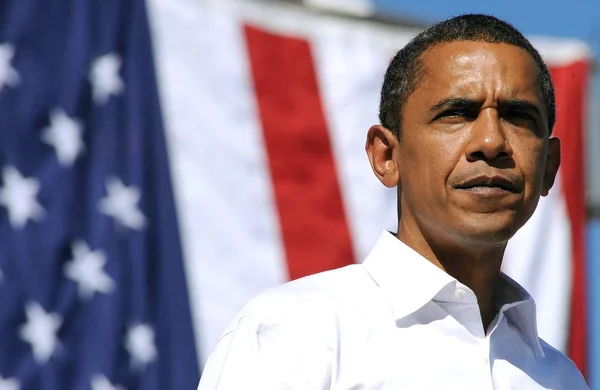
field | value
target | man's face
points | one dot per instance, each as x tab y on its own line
473	154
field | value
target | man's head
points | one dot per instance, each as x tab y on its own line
406	68
474	106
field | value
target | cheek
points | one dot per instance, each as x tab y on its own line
427	162
531	161
444	153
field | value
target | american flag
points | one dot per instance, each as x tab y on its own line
163	161
93	290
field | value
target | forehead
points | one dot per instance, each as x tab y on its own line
479	70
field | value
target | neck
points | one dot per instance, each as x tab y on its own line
476	266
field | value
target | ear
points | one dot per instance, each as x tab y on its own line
380	146
552	164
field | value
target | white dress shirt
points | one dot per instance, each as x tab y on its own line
396	321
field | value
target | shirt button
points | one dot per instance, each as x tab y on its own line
460	294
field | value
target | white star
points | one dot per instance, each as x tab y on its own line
9	384
8	74
105	78
87	269
100	382
64	134
40	331
140	345
121	204
19	197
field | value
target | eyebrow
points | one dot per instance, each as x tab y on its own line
505	105
454	102
520	105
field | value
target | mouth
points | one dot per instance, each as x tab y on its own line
490	185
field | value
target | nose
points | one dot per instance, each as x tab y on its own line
488	140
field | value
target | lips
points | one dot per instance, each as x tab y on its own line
484	183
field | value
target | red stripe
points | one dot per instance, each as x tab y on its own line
307	194
571	91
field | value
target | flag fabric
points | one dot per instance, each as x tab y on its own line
266	110
93	287
157	171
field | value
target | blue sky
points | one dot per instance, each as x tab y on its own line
575	18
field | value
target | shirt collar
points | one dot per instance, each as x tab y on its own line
410	281
519	308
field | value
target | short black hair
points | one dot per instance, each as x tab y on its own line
405	69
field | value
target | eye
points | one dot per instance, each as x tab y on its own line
521	118
457	113
523	115
453	113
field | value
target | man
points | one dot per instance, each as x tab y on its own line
467	110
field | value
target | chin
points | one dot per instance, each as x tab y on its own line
487	230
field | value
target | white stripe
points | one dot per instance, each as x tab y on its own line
291	19
362	8
350	73
539	258
561	52
230	229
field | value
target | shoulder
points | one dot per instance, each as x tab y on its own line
563	367
286	337
313	299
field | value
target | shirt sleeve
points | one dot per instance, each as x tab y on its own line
290	354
